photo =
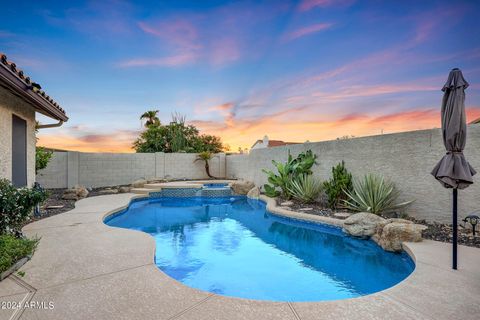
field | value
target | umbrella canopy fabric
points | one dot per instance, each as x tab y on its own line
454	171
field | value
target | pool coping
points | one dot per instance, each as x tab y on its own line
426	294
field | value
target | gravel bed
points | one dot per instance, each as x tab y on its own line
435	231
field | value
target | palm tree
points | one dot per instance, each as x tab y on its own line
151	117
205	156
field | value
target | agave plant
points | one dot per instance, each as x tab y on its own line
375	195
305	188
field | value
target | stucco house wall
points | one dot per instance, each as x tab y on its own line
11	104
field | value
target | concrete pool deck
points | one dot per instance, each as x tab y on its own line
89	270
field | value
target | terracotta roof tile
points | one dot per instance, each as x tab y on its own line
28	82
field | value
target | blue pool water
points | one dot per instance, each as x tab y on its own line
215	185
232	246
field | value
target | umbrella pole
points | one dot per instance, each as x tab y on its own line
454	227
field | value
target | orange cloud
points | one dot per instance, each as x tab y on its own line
243	132
119	141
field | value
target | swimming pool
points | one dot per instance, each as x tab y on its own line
232	246
215	185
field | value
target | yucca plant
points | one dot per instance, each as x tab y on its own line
373	194
305	188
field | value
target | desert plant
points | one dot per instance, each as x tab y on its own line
16	205
150	117
374	194
42	157
14	249
287	172
177	136
338	185
205	156
305	188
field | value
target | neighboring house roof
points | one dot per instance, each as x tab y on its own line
275	143
19	84
475	121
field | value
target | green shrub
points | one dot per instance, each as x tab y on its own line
287	172
336	187
16	205
375	195
42	157
305	188
13	249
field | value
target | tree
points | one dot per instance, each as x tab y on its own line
151	117
177	136
205	156
42	157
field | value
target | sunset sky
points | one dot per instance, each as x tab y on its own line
293	70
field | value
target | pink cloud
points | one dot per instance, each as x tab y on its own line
224	51
307	5
178	32
169	61
306	31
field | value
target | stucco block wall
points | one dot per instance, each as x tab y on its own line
405	158
11	104
55	174
110	169
236	166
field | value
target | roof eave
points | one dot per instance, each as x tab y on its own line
19	88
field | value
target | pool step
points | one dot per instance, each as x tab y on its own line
180	185
143	190
152	186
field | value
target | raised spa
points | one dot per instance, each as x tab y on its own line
232	246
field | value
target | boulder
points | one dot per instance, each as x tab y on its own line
140	183
394	232
254	193
81	191
124	190
242	187
156	180
70	194
341	215
362	225
108	191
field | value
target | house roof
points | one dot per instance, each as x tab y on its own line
19	84
275	143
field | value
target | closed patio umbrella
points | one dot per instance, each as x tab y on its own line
453	170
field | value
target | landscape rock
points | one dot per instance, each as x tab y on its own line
140	183
286	204
108	191
362	225
156	180
81	191
124	190
70	194
341	215
306	209
391	236
241	187
254	193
